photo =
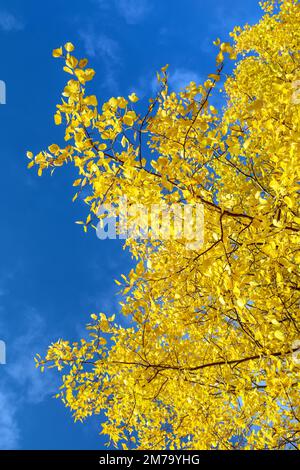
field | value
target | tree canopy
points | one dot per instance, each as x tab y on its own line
207	358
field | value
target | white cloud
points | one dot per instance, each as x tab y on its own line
107	49
133	11
180	78
225	21
21	383
21	367
9	430
8	22
100	44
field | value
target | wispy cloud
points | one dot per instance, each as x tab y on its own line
9	429
133	11
21	368
178	79
99	44
107	49
225	21
21	383
181	77
9	22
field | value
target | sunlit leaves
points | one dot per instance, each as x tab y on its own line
205	359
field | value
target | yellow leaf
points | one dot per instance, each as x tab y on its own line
54	148
69	47
57	52
279	335
57	119
288	202
128	119
133	98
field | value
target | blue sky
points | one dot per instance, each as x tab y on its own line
52	276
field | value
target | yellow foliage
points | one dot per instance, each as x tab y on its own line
207	358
